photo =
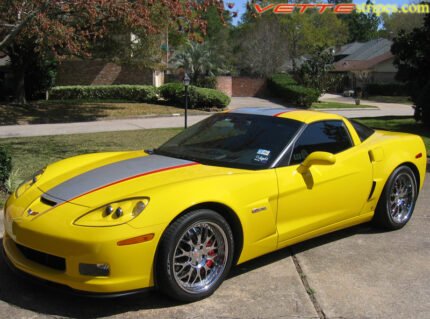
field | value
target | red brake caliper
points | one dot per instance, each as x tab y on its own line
211	253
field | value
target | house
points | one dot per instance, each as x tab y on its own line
99	72
364	63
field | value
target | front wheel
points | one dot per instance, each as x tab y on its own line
195	255
397	202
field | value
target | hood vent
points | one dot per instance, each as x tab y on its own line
47	201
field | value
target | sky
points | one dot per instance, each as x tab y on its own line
240	5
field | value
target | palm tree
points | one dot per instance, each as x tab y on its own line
197	59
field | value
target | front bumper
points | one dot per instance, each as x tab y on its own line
131	267
66	289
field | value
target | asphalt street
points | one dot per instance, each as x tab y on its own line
361	272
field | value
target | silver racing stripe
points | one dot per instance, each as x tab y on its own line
110	174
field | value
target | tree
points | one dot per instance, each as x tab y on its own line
260	49
412	58
314	72
264	43
198	59
361	26
58	29
396	22
219	29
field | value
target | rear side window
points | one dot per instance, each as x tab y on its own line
363	131
324	136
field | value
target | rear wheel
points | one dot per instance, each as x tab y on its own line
194	256
397	202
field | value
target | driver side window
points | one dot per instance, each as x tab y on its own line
324	136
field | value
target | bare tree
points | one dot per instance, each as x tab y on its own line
262	49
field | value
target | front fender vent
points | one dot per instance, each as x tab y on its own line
372	190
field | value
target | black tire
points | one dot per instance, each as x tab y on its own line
194	256
394	211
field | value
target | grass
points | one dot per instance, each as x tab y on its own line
390	99
336	105
82	111
400	124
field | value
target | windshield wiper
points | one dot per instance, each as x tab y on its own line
175	155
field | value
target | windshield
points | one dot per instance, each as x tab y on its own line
233	140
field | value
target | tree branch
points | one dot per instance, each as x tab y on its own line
16	29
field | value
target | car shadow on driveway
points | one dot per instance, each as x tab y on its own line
30	295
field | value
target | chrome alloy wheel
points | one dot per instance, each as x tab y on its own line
200	257
402	195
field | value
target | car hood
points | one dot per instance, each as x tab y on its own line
103	178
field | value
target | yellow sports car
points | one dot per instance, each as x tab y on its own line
235	186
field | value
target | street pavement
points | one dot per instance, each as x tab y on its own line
384	109
357	273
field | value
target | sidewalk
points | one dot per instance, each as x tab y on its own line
97	126
385	109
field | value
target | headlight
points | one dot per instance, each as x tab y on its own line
114	213
27	184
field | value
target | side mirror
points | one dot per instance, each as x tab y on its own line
316	158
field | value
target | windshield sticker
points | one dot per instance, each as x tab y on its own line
263	152
261	159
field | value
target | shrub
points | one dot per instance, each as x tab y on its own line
283	79
391	89
208	82
137	93
285	87
5	167
174	93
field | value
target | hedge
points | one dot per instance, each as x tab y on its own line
138	93
285	87
174	93
390	89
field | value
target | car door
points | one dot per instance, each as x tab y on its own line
325	194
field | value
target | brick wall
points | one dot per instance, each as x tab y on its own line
241	86
224	84
247	86
93	72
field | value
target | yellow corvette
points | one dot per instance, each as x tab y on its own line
233	187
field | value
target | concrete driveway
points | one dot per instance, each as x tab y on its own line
357	273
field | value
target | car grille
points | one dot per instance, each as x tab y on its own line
39	257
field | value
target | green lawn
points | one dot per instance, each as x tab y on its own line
336	105
400	124
390	99
82	111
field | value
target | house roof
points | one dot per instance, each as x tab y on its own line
363	56
349	48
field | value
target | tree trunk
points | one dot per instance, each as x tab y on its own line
20	85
